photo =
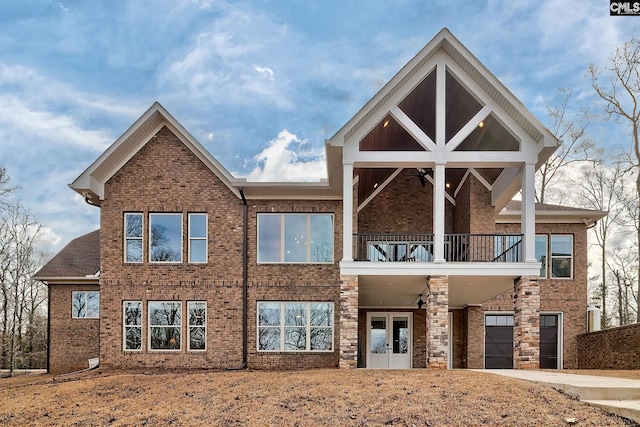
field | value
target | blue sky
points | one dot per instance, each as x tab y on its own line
260	84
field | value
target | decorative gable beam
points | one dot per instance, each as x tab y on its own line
413	129
507	180
379	189
462	181
446	195
480	178
468	128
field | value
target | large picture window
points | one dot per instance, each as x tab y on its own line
295	326
85	304
198	238
165	237
132	324
562	256
197	325
295	238
165	321
132	237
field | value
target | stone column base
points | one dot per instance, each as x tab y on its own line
348	322
526	323
438	322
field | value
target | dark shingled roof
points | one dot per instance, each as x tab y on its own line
80	258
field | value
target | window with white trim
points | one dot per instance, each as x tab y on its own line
295	326
561	256
133	237
197	328
165	237
132	324
197	238
295	238
85	304
165	323
541	254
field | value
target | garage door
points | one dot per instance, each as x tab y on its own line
498	341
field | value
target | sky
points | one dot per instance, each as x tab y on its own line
261	84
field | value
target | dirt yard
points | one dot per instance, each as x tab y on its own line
299	398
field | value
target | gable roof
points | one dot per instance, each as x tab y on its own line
547	213
445	52
90	184
78	260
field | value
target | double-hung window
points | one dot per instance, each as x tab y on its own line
133	237
295	326
295	238
197	328
561	256
132	324
198	238
165	323
85	304
165	237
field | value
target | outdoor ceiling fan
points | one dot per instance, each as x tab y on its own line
422	174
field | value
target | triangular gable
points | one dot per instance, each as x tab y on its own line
445	55
90	184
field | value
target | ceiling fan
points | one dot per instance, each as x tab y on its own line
422	174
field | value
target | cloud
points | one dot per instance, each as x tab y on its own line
285	159
265	71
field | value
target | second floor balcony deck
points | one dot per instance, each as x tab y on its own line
459	248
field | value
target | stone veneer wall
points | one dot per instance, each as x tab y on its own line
475	337
526	323
438	322
348	322
615	348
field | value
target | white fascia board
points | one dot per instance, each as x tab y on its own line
432	46
554	217
363	268
69	280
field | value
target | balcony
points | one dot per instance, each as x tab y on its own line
391	247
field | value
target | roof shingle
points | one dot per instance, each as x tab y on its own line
80	258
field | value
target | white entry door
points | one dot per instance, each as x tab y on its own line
389	340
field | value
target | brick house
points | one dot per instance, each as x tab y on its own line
410	254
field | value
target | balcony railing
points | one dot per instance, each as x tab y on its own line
390	247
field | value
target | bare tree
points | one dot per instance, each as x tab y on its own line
620	89
601	189
570	130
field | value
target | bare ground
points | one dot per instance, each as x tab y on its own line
296	398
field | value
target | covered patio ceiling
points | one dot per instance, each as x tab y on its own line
403	291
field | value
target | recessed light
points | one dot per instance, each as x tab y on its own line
448	185
386	123
481	124
375	185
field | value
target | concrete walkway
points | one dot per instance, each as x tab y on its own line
618	396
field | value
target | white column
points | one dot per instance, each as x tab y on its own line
528	220
347	212
438	212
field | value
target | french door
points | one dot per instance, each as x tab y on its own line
389	340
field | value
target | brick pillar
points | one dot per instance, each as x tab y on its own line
438	322
526	323
348	322
475	337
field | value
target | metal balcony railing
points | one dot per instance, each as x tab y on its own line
392	247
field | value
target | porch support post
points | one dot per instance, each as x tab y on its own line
347	212
348	322
438	212
438	322
528	212
526	323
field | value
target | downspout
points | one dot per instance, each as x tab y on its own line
48	324
245	281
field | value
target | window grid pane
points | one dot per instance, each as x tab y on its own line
133	237
198	238
562	256
197	325
165	325
132	322
295	326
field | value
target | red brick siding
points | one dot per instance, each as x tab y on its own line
72	342
615	348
